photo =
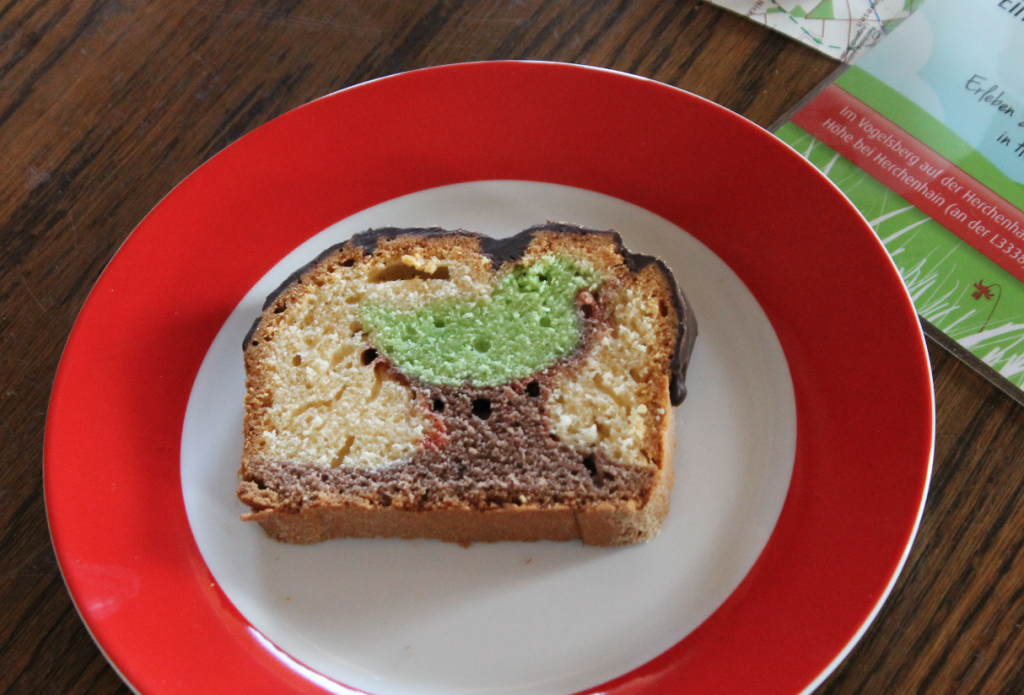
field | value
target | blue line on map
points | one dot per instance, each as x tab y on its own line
881	25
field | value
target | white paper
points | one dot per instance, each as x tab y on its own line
842	29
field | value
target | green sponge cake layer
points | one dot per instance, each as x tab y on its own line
528	323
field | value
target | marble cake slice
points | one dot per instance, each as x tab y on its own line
422	383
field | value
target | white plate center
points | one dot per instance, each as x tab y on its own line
394	617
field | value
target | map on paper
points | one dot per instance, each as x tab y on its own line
842	29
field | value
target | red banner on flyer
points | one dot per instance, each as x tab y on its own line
918	174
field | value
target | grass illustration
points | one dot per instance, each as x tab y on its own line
953	286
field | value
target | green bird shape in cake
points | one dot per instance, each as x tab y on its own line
528	323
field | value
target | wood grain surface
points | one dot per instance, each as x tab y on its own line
106	105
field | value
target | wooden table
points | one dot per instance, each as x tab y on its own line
105	105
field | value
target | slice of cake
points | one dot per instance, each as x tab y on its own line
421	383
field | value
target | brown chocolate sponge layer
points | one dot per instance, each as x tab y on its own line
492	448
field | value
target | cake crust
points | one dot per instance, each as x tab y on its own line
538	460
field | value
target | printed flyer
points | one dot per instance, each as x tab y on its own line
925	135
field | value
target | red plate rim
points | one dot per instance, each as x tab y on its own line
865	411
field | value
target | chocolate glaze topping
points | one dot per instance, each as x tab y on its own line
511	249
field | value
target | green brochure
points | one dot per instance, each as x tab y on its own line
925	135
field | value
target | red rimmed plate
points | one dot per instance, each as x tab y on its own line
129	502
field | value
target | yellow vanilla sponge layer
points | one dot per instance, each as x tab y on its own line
600	403
323	398
319	395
